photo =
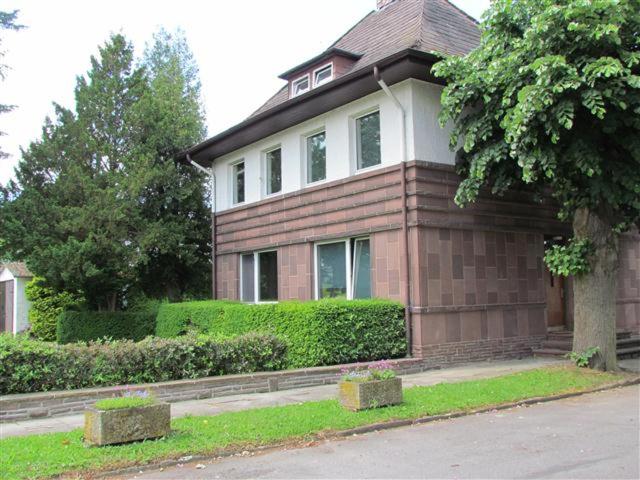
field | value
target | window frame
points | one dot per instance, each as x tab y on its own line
305	157
256	277
234	182
358	143
306	77
267	180
318	70
349	264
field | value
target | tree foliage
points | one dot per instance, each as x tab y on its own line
100	205
551	98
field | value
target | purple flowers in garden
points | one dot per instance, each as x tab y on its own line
380	370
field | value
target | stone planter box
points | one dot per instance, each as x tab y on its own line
378	393
107	427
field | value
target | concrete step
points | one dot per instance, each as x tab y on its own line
626	348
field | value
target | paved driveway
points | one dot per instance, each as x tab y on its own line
592	436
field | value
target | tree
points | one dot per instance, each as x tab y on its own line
7	22
173	204
72	217
551	99
100	206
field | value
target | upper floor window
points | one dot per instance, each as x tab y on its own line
368	140
323	75
316	157
238	182
273	160
300	86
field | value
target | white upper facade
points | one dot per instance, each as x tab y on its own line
268	173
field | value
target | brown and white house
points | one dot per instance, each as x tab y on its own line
342	184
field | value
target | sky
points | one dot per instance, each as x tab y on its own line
241	47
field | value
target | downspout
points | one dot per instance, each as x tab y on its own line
212	179
405	223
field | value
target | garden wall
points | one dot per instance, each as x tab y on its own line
52	404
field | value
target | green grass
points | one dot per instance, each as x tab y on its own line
56	453
124	402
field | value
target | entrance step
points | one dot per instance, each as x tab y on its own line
558	344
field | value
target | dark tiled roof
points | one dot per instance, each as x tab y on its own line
425	25
17	269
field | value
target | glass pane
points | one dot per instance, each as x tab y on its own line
332	270
268	276
316	158
248	283
368	133
274	171
323	75
362	269
238	180
300	86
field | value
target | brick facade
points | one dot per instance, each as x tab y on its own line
476	274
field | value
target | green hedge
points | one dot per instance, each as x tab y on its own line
327	332
85	325
176	319
34	366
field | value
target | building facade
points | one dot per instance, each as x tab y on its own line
342	185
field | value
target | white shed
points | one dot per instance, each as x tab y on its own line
14	306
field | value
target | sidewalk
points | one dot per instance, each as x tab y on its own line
214	406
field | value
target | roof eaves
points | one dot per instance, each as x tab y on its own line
194	150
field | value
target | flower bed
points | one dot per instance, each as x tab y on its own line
375	386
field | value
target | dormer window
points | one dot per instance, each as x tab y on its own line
323	75
300	86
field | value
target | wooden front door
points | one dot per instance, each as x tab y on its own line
555	301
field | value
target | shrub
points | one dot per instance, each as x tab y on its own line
46	306
34	366
87	325
326	332
176	319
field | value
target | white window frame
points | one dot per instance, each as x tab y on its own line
348	263
234	180
356	140
305	157
323	67
265	169
298	80
256	276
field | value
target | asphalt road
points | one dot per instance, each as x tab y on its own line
592	436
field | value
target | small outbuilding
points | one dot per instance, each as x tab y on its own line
14	306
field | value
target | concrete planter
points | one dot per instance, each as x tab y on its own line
378	393
107	427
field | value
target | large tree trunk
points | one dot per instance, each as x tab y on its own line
595	292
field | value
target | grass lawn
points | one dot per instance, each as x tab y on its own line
56	453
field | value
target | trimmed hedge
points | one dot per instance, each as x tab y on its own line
176	319
86	326
326	332
35	366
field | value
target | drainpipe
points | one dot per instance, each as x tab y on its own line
212	179
405	223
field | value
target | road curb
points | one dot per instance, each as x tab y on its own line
358	431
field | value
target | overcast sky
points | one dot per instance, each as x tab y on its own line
241	47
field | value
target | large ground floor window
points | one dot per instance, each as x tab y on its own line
343	269
259	277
